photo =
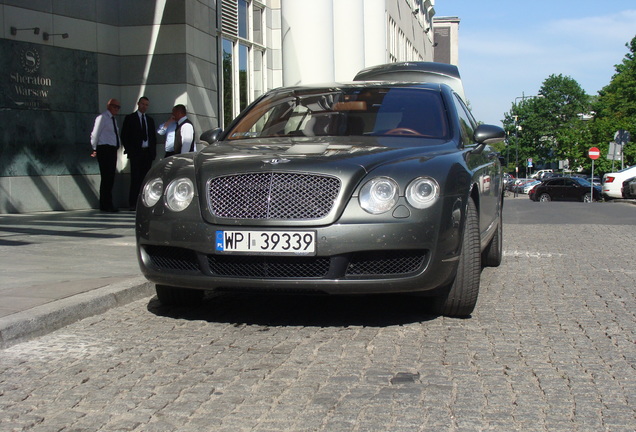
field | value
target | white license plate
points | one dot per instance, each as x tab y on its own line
272	242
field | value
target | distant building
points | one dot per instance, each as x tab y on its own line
446	40
62	61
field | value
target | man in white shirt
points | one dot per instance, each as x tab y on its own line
168	129
184	133
105	142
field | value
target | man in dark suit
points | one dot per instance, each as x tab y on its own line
140	144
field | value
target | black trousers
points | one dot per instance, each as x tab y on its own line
107	159
139	166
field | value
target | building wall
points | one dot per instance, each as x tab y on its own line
349	35
163	49
447	40
168	50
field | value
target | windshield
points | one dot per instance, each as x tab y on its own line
394	111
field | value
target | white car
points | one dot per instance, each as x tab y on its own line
613	182
528	186
540	173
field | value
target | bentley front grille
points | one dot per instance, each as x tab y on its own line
276	195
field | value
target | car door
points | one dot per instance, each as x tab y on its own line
571	190
485	166
555	189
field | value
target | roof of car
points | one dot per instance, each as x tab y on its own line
422	72
326	86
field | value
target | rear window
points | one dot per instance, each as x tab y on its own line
401	111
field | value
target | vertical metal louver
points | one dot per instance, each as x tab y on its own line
229	17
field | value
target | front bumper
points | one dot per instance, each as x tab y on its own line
407	254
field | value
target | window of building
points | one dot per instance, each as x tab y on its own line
400	48
243	47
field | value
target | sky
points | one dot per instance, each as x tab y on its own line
508	48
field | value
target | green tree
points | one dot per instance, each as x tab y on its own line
548	127
615	108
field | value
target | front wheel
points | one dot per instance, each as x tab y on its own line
461	298
545	197
588	198
493	254
173	296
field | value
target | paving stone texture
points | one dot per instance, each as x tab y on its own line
550	347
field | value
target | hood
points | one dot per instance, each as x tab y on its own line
348	159
339	156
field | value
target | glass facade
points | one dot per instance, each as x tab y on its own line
243	58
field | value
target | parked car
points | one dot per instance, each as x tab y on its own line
367	187
550	175
613	182
528	186
540	173
519	184
565	189
629	188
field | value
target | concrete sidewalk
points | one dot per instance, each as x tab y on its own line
60	267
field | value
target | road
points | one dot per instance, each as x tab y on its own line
550	347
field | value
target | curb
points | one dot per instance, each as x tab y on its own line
41	320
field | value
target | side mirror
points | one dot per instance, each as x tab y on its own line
487	134
211	136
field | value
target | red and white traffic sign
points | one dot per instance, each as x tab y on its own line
594	153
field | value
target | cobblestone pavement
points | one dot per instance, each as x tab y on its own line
551	347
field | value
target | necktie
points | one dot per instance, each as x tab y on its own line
116	133
144	129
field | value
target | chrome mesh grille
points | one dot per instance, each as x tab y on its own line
171	258
268	266
277	195
385	263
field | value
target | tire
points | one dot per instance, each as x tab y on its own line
587	198
493	254
172	296
545	197
460	299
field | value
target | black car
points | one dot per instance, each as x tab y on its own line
565	189
629	188
358	188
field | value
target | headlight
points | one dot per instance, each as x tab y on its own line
179	194
422	192
152	192
379	195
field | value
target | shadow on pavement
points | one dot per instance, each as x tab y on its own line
19	230
302	310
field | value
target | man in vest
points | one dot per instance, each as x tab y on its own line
184	133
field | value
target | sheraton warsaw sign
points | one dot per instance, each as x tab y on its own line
31	90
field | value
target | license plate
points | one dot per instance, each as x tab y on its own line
267	242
